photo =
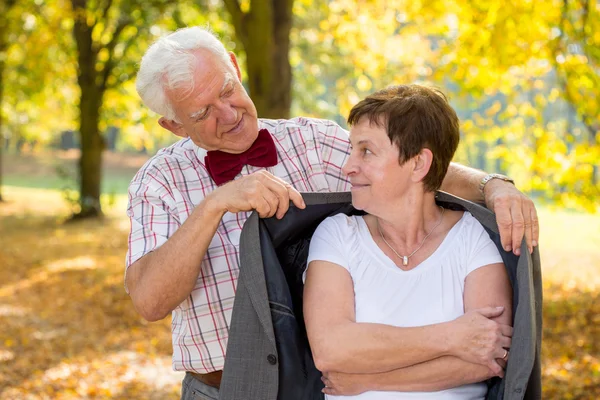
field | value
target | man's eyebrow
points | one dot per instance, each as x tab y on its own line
228	79
196	114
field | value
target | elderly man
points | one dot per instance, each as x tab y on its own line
188	203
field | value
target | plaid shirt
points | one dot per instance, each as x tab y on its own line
165	191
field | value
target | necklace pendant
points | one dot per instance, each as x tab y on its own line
405	260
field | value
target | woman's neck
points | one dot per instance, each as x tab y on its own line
409	220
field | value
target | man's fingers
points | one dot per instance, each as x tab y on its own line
285	192
273	201
296	198
293	195
504	220
518	226
263	208
535	227
528	231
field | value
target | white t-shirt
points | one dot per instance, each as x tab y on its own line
428	294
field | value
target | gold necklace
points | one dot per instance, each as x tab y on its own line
405	258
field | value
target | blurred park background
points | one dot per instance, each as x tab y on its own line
524	76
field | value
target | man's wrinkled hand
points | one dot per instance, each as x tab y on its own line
260	191
515	213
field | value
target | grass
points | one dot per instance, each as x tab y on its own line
58	170
69	330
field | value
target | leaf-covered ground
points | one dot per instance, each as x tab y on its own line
69	331
67	327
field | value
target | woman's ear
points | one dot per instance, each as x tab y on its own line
422	165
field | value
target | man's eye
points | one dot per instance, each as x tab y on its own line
366	151
202	116
229	92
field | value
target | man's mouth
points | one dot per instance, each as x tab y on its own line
237	126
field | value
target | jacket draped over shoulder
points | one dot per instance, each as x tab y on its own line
268	355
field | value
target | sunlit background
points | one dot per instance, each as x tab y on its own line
524	77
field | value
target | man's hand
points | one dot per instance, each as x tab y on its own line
260	191
479	340
342	384
515	214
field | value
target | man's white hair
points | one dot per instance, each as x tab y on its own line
169	65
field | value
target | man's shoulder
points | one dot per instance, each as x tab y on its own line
176	156
302	123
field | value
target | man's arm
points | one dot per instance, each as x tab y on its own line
341	344
160	280
515	212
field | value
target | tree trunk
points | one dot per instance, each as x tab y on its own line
4	9
2	64
92	145
265	35
90	160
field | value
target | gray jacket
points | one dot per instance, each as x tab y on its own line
268	356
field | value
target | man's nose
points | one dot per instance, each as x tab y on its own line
227	113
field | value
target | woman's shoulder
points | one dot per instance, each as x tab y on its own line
472	233
471	224
341	222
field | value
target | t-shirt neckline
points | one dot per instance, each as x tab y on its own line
424	265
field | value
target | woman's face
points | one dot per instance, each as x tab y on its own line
373	168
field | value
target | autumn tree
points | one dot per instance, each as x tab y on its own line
5	9
576	59
104	32
263	27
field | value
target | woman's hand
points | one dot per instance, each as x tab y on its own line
342	384
477	339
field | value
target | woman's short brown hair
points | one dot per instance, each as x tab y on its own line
417	117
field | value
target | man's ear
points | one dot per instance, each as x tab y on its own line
422	164
173	126
235	65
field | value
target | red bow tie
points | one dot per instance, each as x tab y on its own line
223	167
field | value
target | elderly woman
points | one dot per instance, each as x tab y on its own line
409	300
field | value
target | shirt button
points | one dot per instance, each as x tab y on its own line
272	359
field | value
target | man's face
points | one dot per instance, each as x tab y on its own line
218	114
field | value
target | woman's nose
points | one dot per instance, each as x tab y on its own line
349	166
